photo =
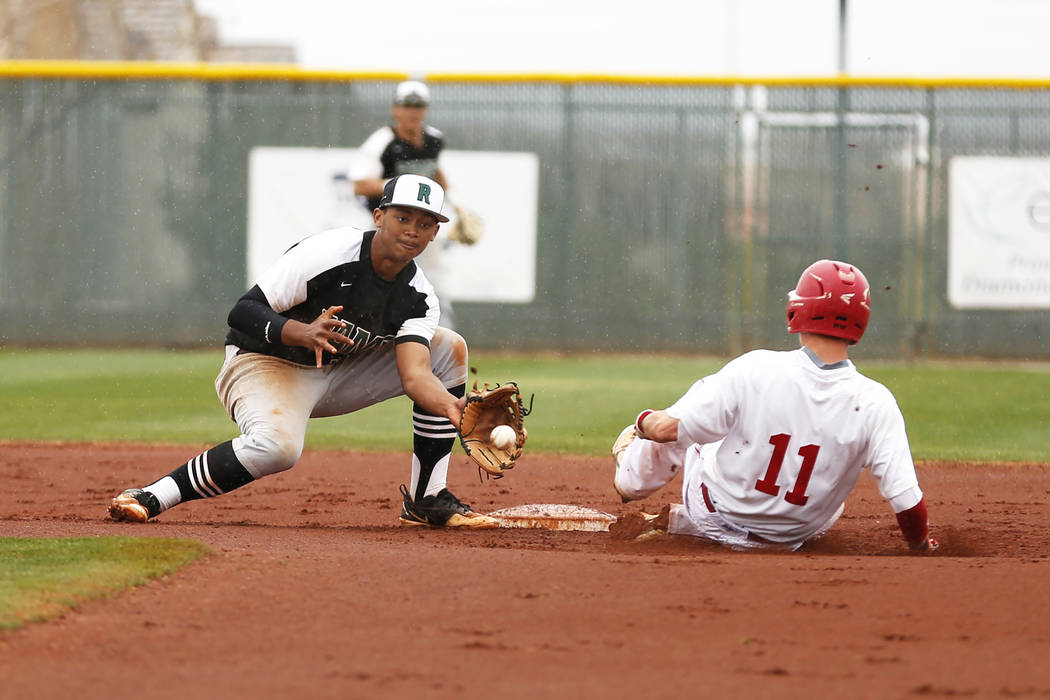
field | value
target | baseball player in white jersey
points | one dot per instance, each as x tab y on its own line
343	320
771	445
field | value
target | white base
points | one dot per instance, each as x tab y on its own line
554	516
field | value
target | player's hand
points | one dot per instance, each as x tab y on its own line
323	332
318	335
455	411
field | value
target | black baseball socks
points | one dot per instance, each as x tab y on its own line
211	473
432	441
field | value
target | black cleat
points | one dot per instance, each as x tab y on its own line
442	510
134	506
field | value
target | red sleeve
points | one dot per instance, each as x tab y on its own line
914	523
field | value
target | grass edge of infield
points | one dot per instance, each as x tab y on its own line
46	577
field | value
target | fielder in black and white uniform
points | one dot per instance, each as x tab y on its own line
407	146
343	320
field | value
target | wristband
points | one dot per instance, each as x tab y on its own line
638	422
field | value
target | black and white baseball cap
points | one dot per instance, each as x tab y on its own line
412	93
414	192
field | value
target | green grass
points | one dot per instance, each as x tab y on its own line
984	412
969	411
42	578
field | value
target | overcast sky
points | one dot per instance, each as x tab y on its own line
1001	38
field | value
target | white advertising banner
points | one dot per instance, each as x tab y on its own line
999	233
296	192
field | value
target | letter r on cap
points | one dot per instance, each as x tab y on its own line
424	193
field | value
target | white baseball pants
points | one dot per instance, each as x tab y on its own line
272	399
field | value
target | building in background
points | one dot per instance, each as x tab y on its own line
122	30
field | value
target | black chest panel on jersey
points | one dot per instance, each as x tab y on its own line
373	309
402	157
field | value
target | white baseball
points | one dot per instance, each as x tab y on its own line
503	437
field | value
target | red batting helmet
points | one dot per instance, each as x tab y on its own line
831	298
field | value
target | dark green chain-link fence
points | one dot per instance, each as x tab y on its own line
672	216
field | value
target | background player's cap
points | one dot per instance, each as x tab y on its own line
414	192
412	93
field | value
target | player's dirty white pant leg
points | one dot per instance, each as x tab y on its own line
646	466
693	517
271	401
448	357
714	527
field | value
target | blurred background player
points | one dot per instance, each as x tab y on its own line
343	320
772	444
409	146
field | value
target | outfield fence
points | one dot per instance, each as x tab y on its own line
673	214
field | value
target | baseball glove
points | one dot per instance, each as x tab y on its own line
487	409
469	227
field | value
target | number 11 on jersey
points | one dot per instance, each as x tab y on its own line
768	483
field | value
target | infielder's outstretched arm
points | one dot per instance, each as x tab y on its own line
420	384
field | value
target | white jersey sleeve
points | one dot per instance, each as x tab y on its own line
285	282
889	453
707	411
422	326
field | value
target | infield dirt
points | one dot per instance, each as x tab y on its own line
315	592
